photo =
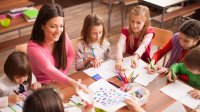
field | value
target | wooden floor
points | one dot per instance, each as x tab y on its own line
74	17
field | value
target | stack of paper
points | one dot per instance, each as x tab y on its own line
179	91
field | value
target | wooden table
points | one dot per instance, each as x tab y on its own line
157	102
163	4
7	5
17	24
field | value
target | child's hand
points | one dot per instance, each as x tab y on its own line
134	60
13	99
97	63
133	105
162	70
35	86
118	65
88	107
151	70
170	77
195	93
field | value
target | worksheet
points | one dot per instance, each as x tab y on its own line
179	91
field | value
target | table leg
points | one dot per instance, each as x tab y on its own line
162	22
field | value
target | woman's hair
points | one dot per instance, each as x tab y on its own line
46	13
17	64
191	59
43	100
90	21
143	11
191	28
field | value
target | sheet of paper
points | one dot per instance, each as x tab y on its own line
179	91
106	95
175	107
176	90
6	109
143	78
106	71
190	102
70	107
16	107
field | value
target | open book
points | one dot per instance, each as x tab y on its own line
104	96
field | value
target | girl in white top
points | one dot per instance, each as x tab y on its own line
92	49
135	39
18	78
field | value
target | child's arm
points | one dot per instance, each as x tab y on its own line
195	93
81	61
161	52
141	49
133	105
107	53
120	50
174	69
13	99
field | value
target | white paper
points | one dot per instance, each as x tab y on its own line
106	96
70	107
106	70
179	91
176	89
6	109
175	107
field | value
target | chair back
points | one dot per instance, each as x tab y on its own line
161	37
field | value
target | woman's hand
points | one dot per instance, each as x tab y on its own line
35	86
195	93
77	86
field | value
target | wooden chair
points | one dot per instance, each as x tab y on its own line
21	47
161	38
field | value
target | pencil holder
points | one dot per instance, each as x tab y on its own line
140	93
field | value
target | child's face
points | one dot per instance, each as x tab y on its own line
20	79
186	42
195	71
96	33
53	29
137	22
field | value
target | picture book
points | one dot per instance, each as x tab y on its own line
104	96
31	13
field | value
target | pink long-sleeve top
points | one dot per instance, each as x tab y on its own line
43	62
